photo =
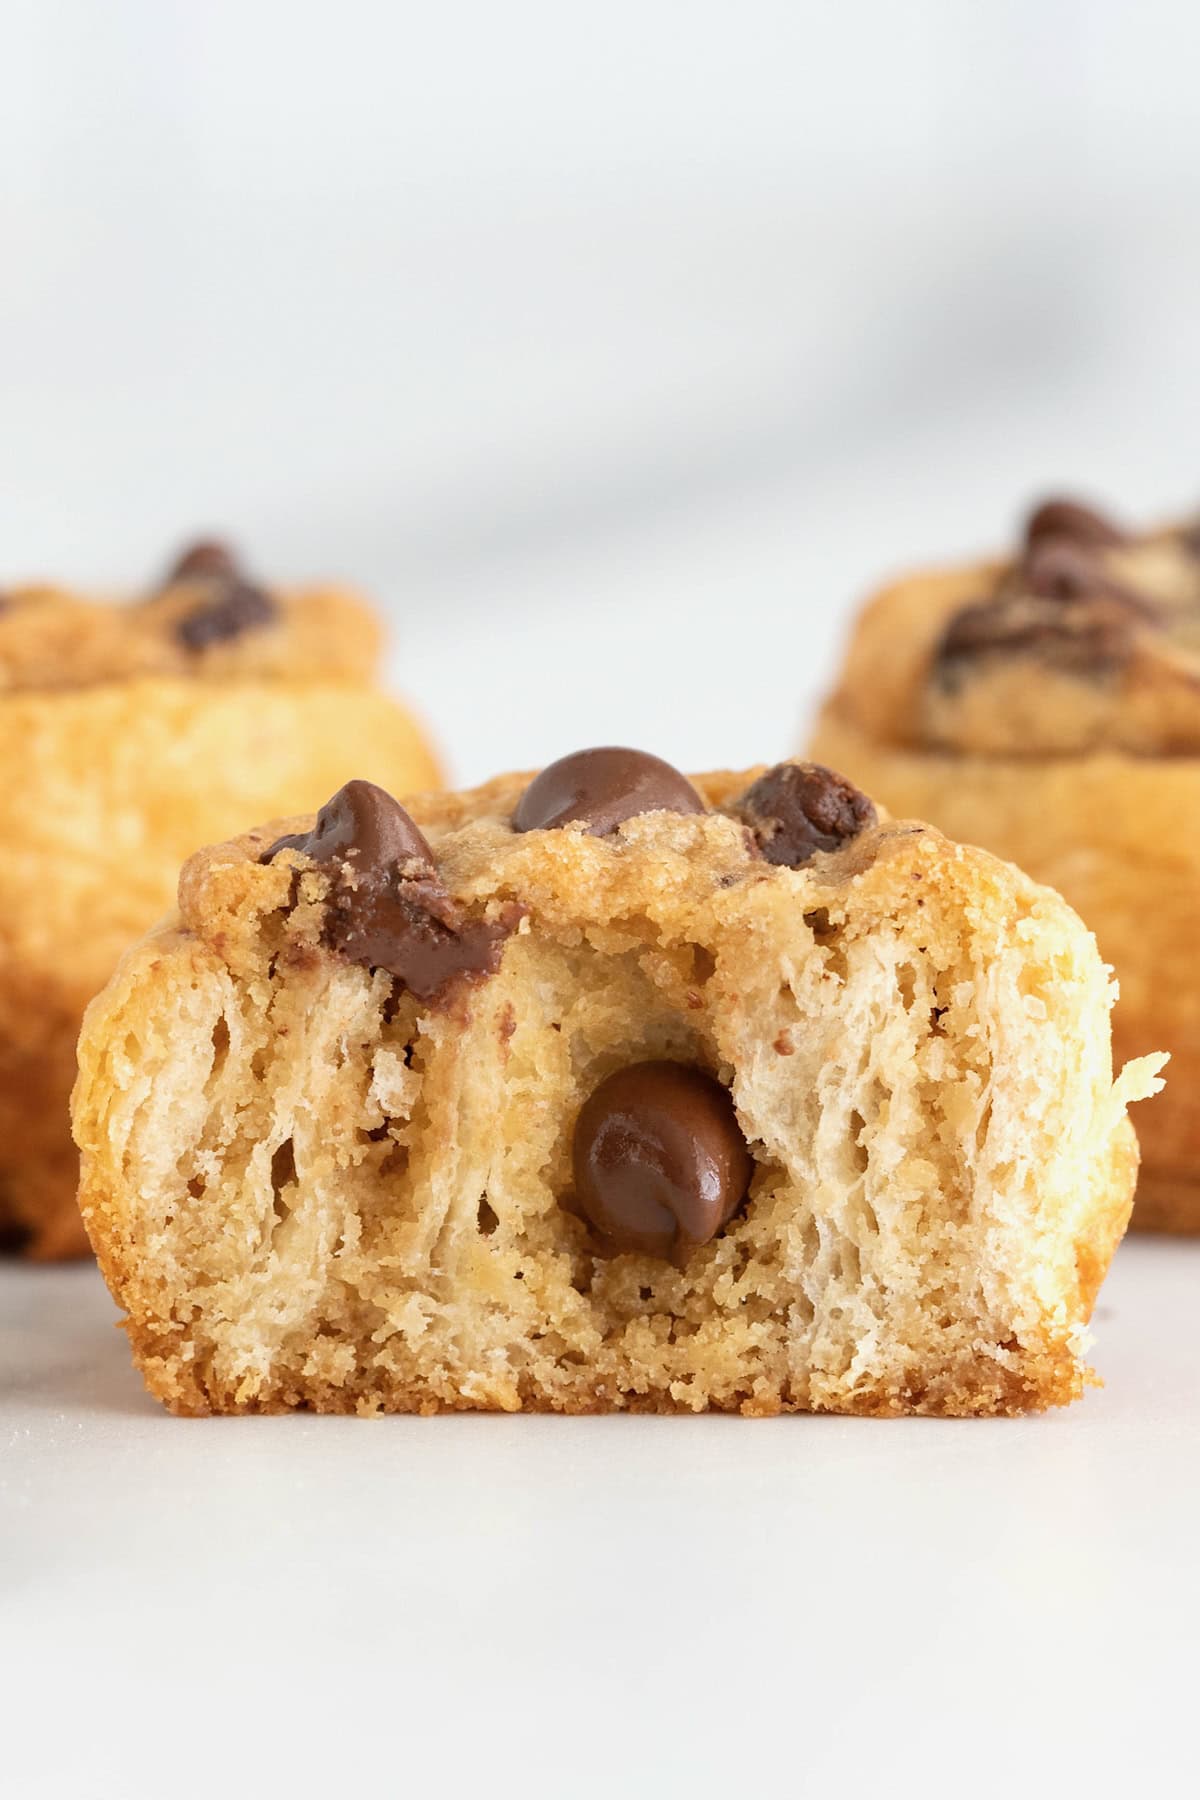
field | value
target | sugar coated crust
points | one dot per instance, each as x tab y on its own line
1085	773
122	752
308	1188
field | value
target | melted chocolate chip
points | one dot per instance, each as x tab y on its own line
364	827
1057	569
659	1161
601	789
796	809
1088	638
207	560
1068	520
388	908
1054	569
235	607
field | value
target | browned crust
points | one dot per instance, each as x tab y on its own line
1167	1203
39	1170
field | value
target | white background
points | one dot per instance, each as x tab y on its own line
616	348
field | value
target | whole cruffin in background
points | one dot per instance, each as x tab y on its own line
608	1090
1048	707
130	734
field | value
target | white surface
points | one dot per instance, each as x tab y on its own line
577	1608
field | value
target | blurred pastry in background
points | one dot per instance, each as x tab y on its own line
130	734
1048	707
608	1090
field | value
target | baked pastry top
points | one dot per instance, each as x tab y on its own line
206	620
607	1089
131	733
1088	637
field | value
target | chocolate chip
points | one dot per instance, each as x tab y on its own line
207	560
232	609
1088	637
601	789
796	809
1068	520
1056	569
659	1161
363	826
231	605
388	908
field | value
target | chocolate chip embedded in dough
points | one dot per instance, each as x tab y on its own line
1078	524
364	827
796	809
1056	569
1085	638
388	907
231	610
601	789
659	1161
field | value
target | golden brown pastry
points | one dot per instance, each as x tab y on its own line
1049	708
607	1090
129	735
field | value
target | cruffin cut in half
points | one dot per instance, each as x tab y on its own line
602	1090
